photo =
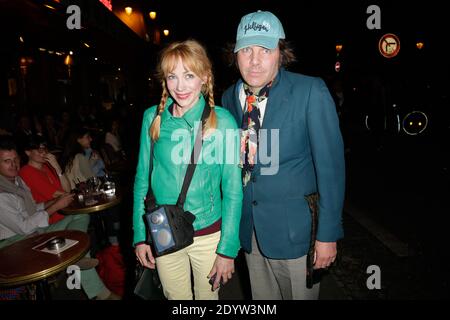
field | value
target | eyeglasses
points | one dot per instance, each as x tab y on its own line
42	148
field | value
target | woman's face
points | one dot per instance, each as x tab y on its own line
37	155
184	85
85	141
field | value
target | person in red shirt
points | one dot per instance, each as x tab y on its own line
43	174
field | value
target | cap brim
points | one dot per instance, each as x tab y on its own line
265	42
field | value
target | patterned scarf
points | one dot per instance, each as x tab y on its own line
250	130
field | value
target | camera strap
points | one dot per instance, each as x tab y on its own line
150	198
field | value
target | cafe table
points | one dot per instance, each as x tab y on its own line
29	261
101	202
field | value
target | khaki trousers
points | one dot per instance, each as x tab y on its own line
174	270
273	279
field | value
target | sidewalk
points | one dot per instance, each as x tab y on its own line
347	279
396	218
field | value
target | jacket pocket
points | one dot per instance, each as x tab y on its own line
298	220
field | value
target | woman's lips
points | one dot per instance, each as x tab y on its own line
183	96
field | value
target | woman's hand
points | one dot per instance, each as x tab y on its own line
95	155
51	159
59	203
144	255
223	268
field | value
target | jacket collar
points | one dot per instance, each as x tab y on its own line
273	118
191	116
275	114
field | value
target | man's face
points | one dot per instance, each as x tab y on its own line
258	65
9	164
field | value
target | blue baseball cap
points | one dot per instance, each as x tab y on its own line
261	28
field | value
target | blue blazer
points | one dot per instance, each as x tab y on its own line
311	159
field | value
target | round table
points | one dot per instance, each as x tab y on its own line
103	203
21	264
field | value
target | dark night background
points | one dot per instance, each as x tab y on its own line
398	181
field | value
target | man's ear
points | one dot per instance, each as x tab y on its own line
27	152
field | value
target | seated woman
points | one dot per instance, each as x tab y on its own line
42	174
80	163
79	160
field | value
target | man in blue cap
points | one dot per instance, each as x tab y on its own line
297	112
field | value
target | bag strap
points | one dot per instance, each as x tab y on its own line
150	198
194	158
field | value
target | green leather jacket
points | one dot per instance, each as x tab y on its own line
217	170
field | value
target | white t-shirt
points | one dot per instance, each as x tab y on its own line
262	105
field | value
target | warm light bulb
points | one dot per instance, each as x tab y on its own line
152	15
68	60
419	45
128	10
166	32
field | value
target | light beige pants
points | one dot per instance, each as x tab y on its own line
174	270
273	279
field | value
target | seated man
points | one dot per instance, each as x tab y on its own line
20	216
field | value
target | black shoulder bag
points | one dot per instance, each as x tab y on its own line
170	228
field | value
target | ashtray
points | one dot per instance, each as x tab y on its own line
56	243
90	202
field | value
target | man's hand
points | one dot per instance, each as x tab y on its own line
325	254
144	255
59	203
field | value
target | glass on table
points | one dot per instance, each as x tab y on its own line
109	188
89	197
